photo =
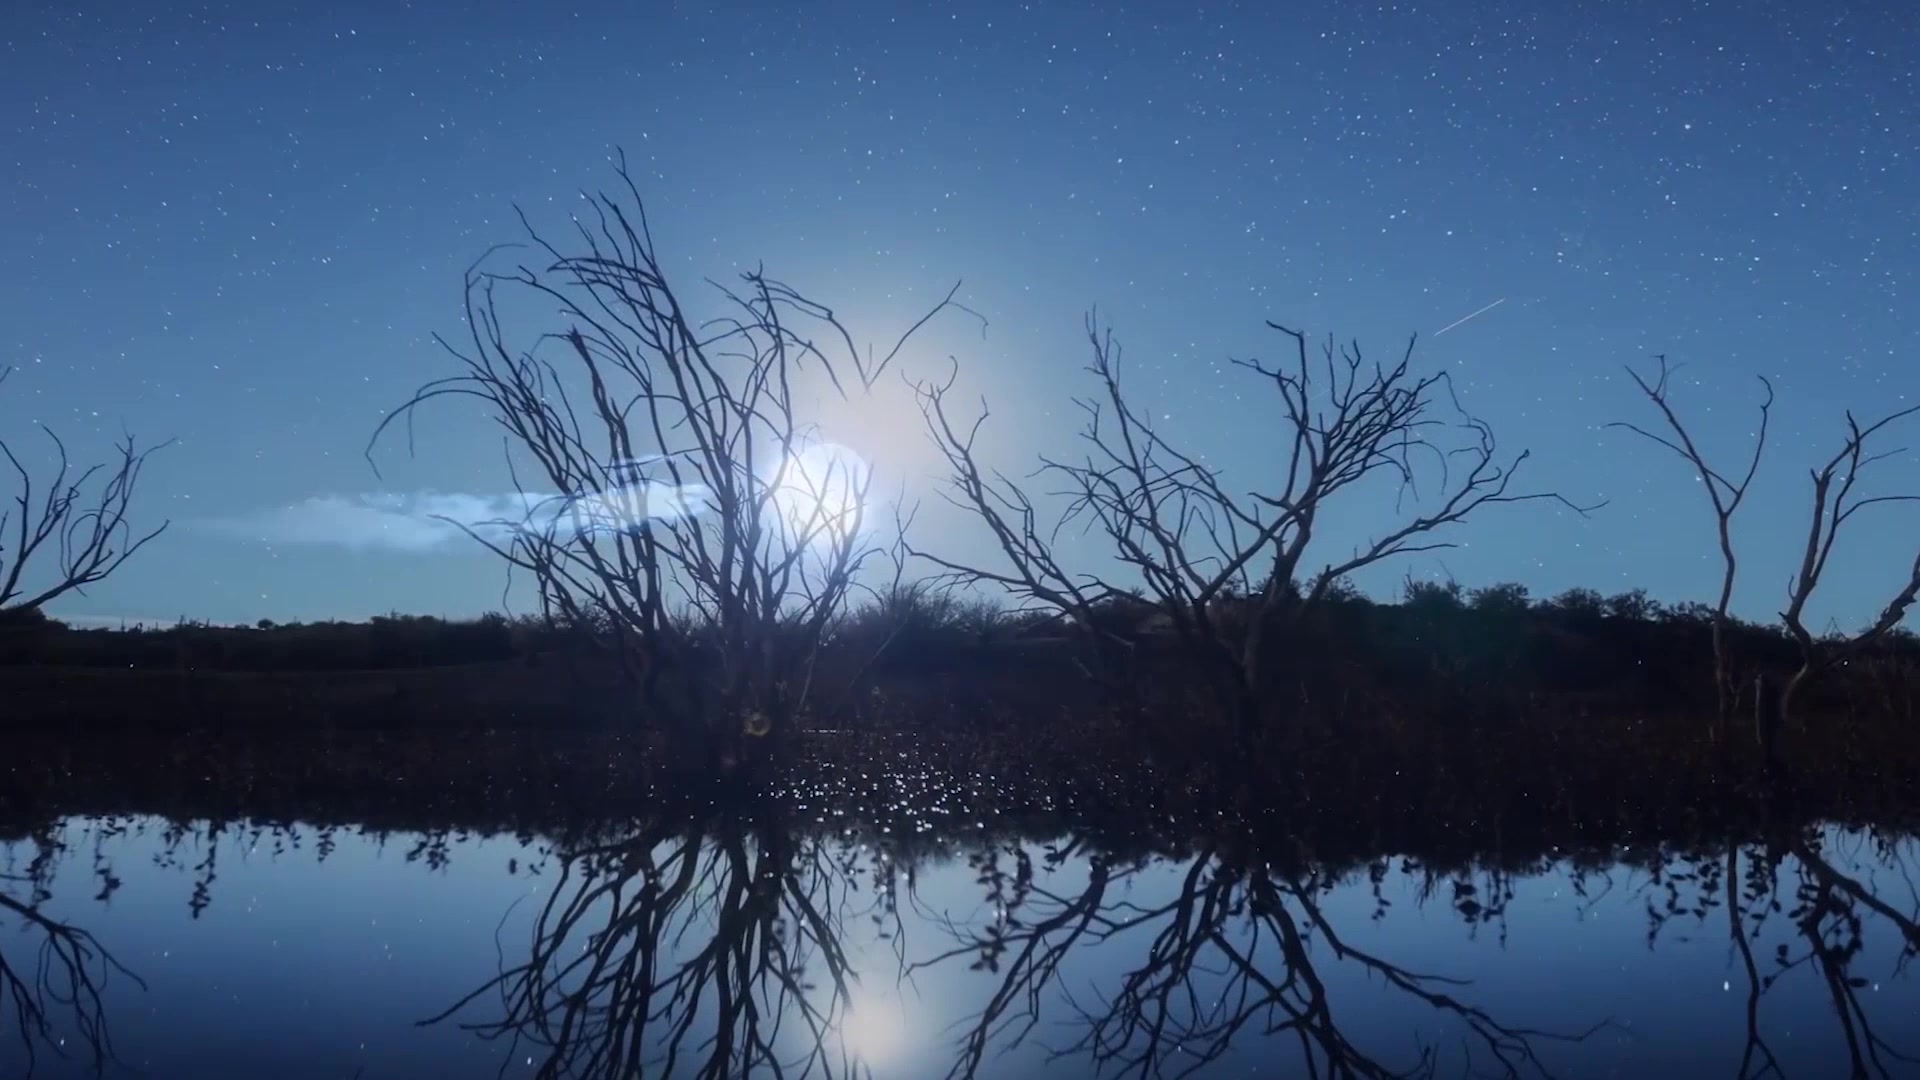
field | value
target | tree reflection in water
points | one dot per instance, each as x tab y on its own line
1234	953
719	954
53	974
1826	933
760	946
723	951
678	953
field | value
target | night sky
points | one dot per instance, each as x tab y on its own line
237	225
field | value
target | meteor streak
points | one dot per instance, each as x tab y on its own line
1464	318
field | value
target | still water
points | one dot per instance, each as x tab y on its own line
810	945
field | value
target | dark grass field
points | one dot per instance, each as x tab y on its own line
1387	728
509	748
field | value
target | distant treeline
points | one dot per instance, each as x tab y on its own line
1438	635
385	642
1623	647
1452	705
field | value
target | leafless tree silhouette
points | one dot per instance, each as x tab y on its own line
684	954
1830	912
75	524
62	987
1725	494
1197	545
1033	931
1832	920
684	509
1834	504
1234	951
1756	1057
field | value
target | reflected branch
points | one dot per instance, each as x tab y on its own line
1031	951
1829	920
66	982
1756	1059
1228	952
674	951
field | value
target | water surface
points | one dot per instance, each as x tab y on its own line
939	948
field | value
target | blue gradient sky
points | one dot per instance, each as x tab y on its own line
237	225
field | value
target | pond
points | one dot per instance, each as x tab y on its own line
934	946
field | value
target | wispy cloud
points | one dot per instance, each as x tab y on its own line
394	522
429	521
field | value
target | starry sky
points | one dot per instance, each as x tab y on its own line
236	225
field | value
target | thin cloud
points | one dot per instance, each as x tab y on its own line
432	521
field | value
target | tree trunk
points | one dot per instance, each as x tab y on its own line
1769	716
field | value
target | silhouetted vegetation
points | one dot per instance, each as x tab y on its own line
1453	721
709	611
1228	570
682	514
1491	645
1835	501
64	530
383	643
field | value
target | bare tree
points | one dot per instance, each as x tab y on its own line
1725	494
1208	555
683	508
1032	573
75	524
1834	504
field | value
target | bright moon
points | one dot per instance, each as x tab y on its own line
873	1029
818	494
